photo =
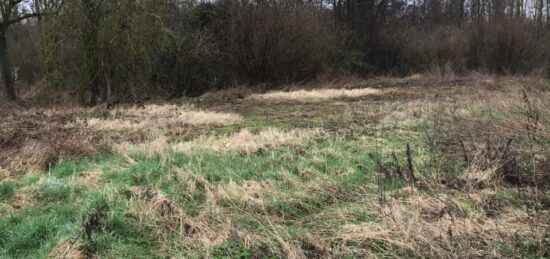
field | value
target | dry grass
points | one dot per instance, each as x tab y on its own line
17	202
201	231
213	226
159	117
90	179
327	81
247	194
248	142
33	139
403	115
430	225
318	95
438	226
40	153
4	173
66	249
244	142
34	148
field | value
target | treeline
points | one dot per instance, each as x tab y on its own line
97	50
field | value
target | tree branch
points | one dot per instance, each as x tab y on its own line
23	17
14	3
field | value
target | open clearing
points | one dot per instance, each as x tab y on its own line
414	167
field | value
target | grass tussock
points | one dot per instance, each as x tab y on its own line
67	249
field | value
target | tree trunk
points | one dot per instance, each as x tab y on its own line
539	11
6	65
92	50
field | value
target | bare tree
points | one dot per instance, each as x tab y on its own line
12	12
539	7
94	11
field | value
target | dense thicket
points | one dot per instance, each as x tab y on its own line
94	50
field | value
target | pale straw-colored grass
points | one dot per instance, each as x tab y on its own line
315	95
69	249
428	225
246	194
246	141
160	117
243	141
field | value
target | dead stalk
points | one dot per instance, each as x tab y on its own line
410	164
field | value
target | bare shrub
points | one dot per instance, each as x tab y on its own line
506	46
502	46
276	40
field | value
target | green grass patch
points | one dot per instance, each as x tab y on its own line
7	189
231	249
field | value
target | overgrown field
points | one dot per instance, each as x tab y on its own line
414	167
